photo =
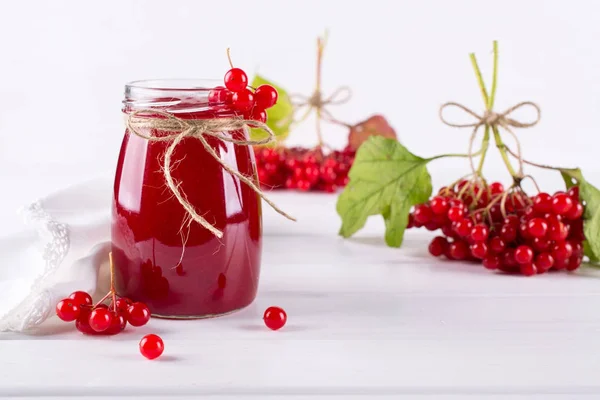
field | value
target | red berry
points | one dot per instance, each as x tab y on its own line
463	227
512	220
217	95
303	185
492	261
275	318
258	114
423	213
439	205
561	203
67	310
480	233
81	298
577	248
497	245
575	212
496	188
541	244
117	324
138	314
537	227
508	258
508	233
151	346
100	319
574	263
562	251
528	269
523	254
312	174
456	213
236	80
542	203
544	261
83	321
458	250
123	304
265	96
524	231
479	250
557	231
243	100
573	193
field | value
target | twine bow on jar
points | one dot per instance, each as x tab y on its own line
493	120
177	129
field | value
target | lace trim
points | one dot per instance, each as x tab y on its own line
37	306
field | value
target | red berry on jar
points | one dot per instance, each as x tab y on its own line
243	100
218	95
275	318
236	80
265	96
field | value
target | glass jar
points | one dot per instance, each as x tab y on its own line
162	257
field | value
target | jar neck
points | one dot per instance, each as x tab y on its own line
177	96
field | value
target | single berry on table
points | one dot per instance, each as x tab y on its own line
275	318
151	346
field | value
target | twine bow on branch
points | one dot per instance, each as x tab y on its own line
492	120
316	101
177	129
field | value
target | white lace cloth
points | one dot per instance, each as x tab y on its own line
64	242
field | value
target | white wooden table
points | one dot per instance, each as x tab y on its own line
364	322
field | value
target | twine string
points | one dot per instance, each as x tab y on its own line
493	120
178	129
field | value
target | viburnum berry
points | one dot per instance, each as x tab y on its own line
439	205
544	261
523	254
138	314
528	269
561	203
151	346
480	233
68	310
479	250
423	213
497	245
496	188
542	203
236	80
458	250
275	318
463	227
81	298
537	227
456	213
265	96
100	319
243	100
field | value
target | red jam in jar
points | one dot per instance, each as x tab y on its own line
162	257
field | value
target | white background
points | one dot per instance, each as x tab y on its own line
64	65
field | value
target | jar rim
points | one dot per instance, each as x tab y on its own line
180	95
173	84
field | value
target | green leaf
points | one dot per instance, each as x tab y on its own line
385	179
591	218
279	117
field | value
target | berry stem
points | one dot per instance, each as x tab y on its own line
484	148
112	292
533	164
317	93
479	78
455	155
502	149
229	57
490	103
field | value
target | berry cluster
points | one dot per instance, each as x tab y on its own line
508	231
101	318
303	169
237	95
